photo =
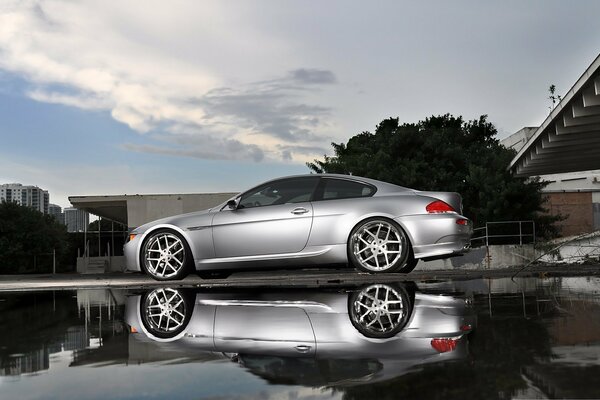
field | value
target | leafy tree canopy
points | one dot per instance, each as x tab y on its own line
444	153
26	233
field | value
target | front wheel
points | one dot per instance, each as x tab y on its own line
166	256
166	312
378	245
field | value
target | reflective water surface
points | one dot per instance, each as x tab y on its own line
528	338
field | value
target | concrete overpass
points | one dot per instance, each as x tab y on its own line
569	139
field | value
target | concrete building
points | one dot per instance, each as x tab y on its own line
29	196
136	210
133	211
57	213
565	151
569	138
573	195
76	220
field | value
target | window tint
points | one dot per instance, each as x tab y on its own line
280	192
344	189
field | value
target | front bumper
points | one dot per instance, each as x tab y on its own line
131	251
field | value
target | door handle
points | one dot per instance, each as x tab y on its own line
299	210
303	348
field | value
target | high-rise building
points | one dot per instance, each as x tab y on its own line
57	213
28	196
76	220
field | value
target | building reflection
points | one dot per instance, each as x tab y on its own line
44	324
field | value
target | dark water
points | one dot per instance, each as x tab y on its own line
532	338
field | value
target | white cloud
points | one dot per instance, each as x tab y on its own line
157	66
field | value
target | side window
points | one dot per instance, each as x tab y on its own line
294	190
345	189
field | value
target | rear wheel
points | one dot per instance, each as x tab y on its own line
166	256
411	263
380	310
378	245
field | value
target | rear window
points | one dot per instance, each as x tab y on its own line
345	189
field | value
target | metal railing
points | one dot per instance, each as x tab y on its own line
504	232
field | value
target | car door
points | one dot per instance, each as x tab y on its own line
274	218
335	200
262	328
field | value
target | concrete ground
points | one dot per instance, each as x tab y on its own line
293	278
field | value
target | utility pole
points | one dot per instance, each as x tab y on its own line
54	261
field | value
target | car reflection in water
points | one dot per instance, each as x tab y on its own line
314	338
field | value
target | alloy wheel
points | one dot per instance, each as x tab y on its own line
378	245
380	310
164	255
164	311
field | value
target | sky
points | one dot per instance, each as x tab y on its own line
146	96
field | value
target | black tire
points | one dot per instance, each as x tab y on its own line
411	263
184	263
367	252
166	311
380	310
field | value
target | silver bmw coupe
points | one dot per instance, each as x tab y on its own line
306	220
349	336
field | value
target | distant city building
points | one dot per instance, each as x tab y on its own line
28	196
57	213
76	220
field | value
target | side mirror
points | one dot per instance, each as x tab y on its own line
233	204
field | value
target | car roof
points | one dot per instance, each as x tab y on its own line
382	187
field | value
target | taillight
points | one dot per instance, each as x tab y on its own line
439	206
462	221
444	345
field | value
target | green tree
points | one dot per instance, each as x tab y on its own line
28	239
449	154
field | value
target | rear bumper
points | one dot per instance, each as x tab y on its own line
437	235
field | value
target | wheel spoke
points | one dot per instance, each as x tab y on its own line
370	233
178	262
368	258
362	304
